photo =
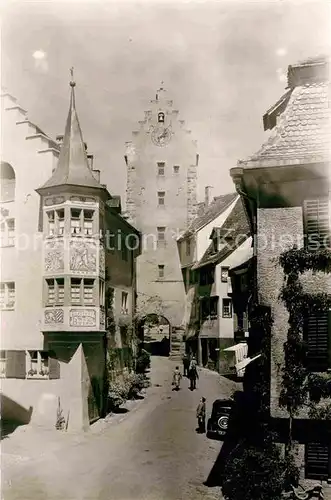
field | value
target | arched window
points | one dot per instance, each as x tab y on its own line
8	182
160	118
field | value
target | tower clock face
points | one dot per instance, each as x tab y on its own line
161	135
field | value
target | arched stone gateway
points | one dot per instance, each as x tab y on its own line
159	337
154	332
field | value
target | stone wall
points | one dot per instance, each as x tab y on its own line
272	224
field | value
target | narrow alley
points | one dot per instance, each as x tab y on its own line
152	452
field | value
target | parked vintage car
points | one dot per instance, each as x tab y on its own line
218	422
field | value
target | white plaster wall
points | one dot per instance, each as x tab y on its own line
226	325
203	235
22	264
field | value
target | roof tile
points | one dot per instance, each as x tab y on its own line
237	224
217	206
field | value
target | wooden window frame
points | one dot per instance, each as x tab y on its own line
224	314
316	365
7	240
88	231
50	223
161	230
161	271
78	218
161	199
188	247
40	370
309	474
124	303
320	221
7	286
161	168
224	269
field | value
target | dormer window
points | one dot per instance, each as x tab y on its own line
160	117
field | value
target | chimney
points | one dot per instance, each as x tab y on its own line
90	161
208	190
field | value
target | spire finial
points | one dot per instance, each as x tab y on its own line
72	82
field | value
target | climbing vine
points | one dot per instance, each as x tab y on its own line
298	382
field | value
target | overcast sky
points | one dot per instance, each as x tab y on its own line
223	64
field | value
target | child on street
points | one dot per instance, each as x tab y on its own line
201	416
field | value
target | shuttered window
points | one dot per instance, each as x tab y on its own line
54	367
317	222
317	461
317	338
15	364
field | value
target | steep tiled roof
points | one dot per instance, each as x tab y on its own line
217	206
303	131
237	228
73	167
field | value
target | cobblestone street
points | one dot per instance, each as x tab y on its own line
150	453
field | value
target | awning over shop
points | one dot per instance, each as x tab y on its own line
236	347
242	255
242	364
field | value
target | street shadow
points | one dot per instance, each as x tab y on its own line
13	415
120	410
242	420
7	428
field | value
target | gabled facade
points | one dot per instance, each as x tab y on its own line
215	327
59	260
285	188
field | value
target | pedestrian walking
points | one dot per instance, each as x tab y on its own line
193	374
201	416
186	364
177	376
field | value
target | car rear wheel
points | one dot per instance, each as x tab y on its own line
223	423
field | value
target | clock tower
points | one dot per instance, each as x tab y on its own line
161	201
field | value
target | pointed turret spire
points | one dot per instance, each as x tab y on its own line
73	167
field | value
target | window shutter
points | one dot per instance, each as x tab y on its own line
317	337
317	461
54	368
15	364
317	221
